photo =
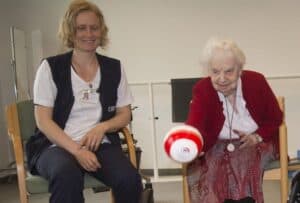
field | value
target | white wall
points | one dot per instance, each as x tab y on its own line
162	39
7	18
166	37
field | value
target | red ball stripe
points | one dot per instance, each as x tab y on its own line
182	134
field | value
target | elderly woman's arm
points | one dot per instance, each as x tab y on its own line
272	116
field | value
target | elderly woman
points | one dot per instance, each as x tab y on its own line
238	116
81	101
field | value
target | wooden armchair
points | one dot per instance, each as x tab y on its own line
20	126
277	170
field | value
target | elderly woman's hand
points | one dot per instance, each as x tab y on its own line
247	140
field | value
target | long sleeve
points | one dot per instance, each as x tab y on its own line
263	106
205	112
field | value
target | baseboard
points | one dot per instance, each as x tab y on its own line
163	172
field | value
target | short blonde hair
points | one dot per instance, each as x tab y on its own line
67	28
222	44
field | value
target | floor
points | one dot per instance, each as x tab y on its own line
164	192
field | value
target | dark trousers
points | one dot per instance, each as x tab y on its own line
66	176
244	200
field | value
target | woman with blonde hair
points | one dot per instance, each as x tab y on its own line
81	100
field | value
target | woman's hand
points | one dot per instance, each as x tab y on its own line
247	140
93	138
201	154
87	159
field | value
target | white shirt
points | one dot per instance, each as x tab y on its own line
242	120
86	110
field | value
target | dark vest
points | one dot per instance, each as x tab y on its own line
60	65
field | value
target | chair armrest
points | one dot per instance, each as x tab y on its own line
130	144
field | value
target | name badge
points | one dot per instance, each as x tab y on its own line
111	108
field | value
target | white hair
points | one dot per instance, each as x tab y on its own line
214	44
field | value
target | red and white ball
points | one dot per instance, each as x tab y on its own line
183	143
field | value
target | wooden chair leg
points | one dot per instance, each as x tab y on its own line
284	190
22	191
186	198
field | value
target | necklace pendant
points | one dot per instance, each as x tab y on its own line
230	147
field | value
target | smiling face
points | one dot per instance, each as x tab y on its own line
87	34
224	72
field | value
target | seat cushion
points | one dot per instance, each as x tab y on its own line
37	184
276	164
273	165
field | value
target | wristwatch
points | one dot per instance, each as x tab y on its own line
258	138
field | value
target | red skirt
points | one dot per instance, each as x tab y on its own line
220	174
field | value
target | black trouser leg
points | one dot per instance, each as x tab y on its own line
244	200
64	174
118	173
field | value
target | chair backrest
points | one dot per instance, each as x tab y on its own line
283	149
281	104
25	110
20	120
